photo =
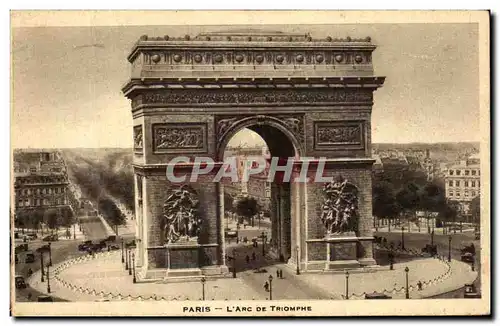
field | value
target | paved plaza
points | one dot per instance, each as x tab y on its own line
104	277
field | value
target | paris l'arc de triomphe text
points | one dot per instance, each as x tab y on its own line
306	97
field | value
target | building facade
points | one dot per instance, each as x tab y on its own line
463	183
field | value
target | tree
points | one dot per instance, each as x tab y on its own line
53	219
247	207
228	202
449	212
384	203
407	198
475	209
431	198
111	213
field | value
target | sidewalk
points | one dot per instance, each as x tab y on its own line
104	277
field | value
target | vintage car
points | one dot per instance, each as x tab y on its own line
52	237
370	296
477	235
20	282
21	248
468	257
430	249
469	249
45	298
30	258
470	292
84	245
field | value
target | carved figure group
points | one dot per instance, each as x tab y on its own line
180	215
138	138
340	206
340	134
178	138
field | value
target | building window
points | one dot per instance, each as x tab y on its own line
458	172
451	172
457	183
473	183
450	183
466	172
473	172
473	194
32	169
466	183
451	193
20	203
458	194
466	194
479	184
26	202
56	190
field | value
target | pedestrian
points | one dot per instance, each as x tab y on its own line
266	286
278	273
247	258
281	273
253	256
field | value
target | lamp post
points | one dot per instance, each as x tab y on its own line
432	237
126	258
74	231
449	248
298	261
234	263
129	262
407	288
472	264
123	258
347	285
48	278
270	287
50	254
403	238
203	280
133	267
41	266
263	244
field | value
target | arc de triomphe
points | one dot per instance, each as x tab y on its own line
306	97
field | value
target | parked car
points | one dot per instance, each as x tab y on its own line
52	237
111	238
477	235
20	282
467	257
31	236
21	248
45	298
377	296
113	247
30	258
430	249
470	292
469	249
84	245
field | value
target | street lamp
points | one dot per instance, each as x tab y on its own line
50	254
133	266
432	238
41	266
263	244
123	259
74	231
48	279
203	280
234	263
347	285
129	262
403	238
270	287
126	258
407	288
449	248
298	268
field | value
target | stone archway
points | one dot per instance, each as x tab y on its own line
313	97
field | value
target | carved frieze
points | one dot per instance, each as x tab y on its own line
338	134
188	137
138	140
181	219
294	123
256	96
340	206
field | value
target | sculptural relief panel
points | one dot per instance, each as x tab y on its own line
339	135
138	139
185	137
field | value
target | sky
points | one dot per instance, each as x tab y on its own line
66	82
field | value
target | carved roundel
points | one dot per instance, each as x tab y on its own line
197	58
238	58
319	58
279	58
358	58
155	58
218	58
339	57
177	57
259	58
300	58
